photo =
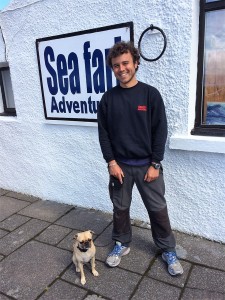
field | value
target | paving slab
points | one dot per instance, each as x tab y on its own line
28	271
159	271
142	250
152	289
53	234
21	235
63	290
195	294
46	210
202	251
105	237
3	297
13	222
3	233
84	219
3	192
36	259
113	283
9	206
21	196
93	297
207	279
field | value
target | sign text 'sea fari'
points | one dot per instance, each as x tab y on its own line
64	78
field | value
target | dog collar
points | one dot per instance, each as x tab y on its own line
82	250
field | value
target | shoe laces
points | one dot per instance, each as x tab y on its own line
116	250
171	257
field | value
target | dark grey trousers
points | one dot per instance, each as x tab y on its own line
152	194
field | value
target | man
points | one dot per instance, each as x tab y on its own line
132	133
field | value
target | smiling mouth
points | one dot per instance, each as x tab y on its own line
123	75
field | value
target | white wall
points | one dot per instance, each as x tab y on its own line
63	162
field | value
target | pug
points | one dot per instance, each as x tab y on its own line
84	251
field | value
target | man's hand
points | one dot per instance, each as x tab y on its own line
116	171
152	174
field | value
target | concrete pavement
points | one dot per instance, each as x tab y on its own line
36	251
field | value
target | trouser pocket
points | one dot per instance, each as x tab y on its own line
121	209
115	188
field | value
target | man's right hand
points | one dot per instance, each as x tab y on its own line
116	171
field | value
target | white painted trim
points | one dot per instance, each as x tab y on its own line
8	119
198	143
74	123
52	122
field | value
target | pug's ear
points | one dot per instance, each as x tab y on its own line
75	236
91	231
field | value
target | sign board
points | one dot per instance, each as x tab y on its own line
73	71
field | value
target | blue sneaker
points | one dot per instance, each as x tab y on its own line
174	266
114	257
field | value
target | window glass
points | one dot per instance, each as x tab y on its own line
8	88
214	69
1	102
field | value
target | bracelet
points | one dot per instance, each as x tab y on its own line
113	164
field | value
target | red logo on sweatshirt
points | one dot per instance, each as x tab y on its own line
142	107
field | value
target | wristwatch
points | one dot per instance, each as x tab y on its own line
156	165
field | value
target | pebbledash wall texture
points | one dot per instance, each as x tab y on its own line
62	161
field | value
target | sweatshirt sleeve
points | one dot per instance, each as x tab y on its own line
159	127
103	132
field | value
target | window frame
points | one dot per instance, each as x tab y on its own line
7	110
199	128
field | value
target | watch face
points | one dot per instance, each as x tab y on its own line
156	166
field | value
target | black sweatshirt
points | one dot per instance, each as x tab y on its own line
132	123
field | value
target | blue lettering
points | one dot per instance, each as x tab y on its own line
69	105
83	107
98	77
108	72
89	105
62	105
76	107
63	82
62	71
74	76
54	105
93	106
117	39
51	81
87	57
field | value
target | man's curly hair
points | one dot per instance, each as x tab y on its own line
121	48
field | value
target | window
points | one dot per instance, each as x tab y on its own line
210	103
6	93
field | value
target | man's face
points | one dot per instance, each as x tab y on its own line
124	69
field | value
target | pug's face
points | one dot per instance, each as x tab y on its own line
84	239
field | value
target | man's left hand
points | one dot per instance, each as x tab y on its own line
152	174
